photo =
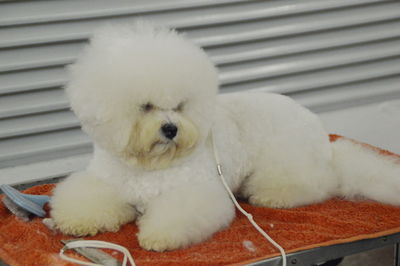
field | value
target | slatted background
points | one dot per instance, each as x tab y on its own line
326	54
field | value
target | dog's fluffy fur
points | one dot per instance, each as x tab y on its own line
130	81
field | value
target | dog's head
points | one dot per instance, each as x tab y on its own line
144	94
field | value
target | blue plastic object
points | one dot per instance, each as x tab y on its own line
31	203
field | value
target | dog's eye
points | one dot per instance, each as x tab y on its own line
179	108
147	107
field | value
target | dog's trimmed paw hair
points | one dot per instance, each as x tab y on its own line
185	216
83	205
162	240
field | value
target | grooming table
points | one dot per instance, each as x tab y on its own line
310	235
321	254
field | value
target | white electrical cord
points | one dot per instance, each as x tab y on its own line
248	215
95	244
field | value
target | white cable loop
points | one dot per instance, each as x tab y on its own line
95	244
248	215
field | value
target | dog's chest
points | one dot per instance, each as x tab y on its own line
140	188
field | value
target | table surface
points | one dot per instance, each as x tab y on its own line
322	254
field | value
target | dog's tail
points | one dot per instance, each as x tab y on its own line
366	172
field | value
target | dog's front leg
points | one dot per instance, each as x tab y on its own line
84	205
185	216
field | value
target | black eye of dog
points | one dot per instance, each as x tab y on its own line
179	108
147	107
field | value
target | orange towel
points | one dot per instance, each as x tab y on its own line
331	222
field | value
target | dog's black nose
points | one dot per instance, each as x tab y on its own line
169	130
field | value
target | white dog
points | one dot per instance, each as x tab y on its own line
148	98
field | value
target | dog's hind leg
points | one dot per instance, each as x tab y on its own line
84	205
287	186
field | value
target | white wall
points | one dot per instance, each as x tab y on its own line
376	124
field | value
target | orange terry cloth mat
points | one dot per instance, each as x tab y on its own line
331	222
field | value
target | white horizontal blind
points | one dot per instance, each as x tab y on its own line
326	54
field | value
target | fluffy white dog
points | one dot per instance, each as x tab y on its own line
148	98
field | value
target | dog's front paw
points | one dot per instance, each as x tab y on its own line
170	223
79	227
158	240
83	205
85	219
